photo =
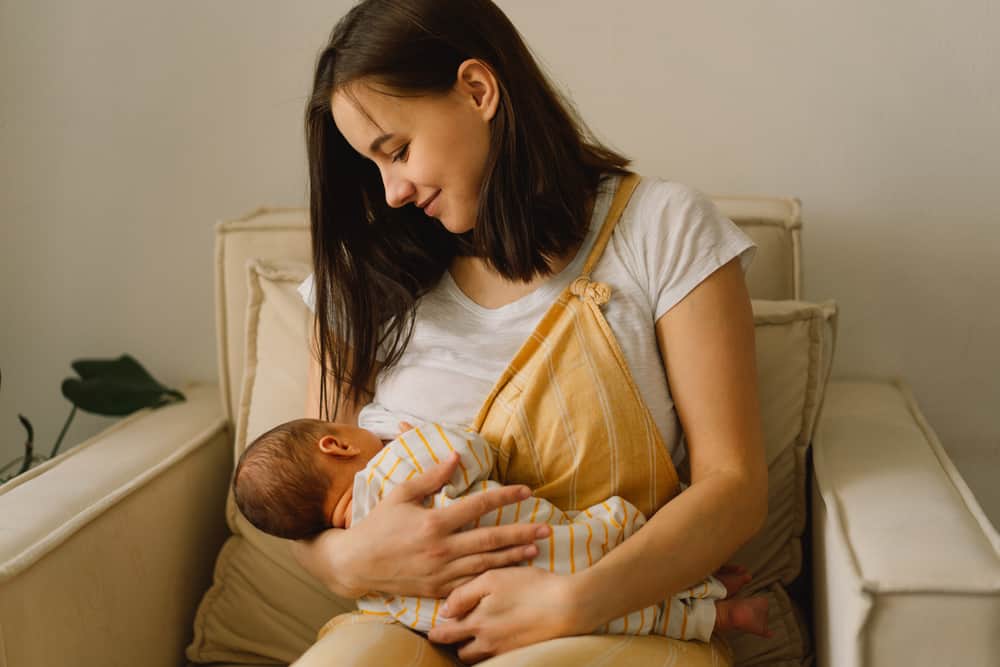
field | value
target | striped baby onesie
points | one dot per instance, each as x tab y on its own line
578	540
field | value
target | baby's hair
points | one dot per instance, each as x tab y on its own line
278	486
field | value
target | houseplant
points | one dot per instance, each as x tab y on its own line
109	387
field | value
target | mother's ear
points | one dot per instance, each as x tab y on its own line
477	83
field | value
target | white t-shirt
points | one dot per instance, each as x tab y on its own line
669	239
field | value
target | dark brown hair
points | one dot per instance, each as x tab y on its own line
372	262
277	484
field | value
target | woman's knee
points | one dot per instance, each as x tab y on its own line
354	640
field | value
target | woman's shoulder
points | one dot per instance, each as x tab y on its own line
661	209
672	235
659	198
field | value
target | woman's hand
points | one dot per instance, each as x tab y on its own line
403	548
504	609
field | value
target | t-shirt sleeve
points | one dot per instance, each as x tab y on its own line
307	292
680	238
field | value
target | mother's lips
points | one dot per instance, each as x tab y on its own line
429	200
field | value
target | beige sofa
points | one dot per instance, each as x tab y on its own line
875	552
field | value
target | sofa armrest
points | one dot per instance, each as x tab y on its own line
906	564
106	549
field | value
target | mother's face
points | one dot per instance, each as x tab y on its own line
430	150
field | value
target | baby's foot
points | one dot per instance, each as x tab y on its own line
745	614
733	577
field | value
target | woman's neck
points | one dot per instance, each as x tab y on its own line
483	285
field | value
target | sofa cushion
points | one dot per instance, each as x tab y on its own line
263	606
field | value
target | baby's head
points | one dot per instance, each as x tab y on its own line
297	479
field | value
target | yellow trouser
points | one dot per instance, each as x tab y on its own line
366	641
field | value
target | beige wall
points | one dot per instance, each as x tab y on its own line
127	129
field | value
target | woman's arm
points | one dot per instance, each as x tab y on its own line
707	343
403	548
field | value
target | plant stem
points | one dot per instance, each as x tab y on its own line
63	432
29	444
10	464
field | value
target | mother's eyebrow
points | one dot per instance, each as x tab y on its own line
379	141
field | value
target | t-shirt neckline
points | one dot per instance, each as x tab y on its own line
548	291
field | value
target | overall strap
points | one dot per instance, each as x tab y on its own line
625	189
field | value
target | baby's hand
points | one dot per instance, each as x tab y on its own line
404	427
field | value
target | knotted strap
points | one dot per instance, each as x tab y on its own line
591	290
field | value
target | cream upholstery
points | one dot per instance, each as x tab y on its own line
908	571
105	552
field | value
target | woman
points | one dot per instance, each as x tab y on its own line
454	198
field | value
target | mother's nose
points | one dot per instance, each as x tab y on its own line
398	191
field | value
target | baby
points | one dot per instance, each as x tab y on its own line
307	475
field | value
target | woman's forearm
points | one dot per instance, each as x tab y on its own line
686	540
313	556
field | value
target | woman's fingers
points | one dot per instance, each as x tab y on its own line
462	570
485	540
457	556
475	565
463	599
471	507
452	585
426	483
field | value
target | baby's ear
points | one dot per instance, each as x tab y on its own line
334	446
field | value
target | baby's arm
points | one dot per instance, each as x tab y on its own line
420	448
581	538
476	457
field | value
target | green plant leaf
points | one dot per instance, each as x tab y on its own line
124	367
115	387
